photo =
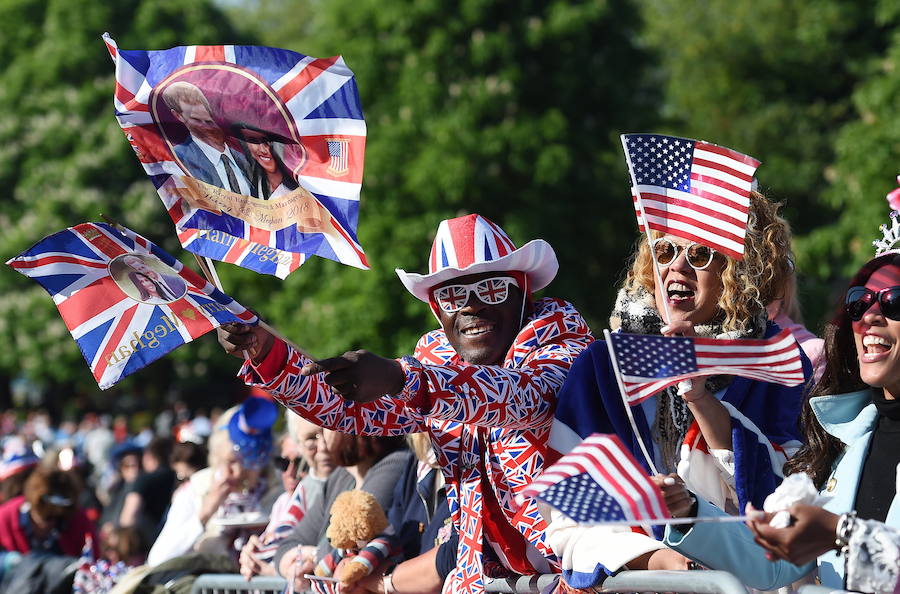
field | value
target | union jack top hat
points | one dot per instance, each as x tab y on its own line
473	244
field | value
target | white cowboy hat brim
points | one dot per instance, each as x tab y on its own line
536	259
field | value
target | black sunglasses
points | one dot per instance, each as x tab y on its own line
860	299
282	463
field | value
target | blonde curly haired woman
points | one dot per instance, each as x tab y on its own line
727	437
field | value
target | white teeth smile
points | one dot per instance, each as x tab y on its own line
876	344
477	330
679	290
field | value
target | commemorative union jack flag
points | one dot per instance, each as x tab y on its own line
259	144
650	363
125	301
692	189
599	481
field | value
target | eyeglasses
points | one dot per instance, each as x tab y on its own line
699	256
491	291
860	299
282	463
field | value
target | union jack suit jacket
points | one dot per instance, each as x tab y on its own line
485	422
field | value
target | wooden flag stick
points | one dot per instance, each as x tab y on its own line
656	274
618	373
209	272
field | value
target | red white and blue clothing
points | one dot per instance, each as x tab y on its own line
764	431
489	427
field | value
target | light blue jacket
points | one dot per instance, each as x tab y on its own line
730	547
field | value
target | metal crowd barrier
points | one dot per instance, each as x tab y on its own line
813	589
234	583
702	582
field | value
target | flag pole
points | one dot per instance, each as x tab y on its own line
656	274
210	273
672	521
618	374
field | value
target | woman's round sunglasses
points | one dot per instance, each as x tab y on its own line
666	251
860	299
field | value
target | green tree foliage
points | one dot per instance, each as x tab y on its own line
509	109
64	160
786	83
867	161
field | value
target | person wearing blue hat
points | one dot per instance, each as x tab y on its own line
228	492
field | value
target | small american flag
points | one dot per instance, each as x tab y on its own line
649	364
692	189
338	149
599	481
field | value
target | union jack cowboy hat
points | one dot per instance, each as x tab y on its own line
472	244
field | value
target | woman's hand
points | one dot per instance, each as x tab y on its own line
219	489
250	564
679	328
678	499
665	558
811	533
243	340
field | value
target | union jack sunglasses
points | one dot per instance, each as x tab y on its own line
491	291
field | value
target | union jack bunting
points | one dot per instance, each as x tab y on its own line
484	421
599	481
260	144
125	301
650	363
692	189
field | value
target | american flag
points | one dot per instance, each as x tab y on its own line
119	333
692	189
649	364
337	150
306	103
599	481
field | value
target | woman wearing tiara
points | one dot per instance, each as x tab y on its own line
851	425
727	437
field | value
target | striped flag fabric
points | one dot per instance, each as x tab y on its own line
600	481
125	301
691	188
651	363
260	144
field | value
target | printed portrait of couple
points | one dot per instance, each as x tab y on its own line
145	278
227	128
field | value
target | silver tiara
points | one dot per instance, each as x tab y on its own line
891	236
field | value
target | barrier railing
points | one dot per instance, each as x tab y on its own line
702	582
234	583
813	589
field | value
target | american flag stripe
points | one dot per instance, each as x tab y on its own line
776	359
614	472
692	189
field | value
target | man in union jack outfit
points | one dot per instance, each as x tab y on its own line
483	386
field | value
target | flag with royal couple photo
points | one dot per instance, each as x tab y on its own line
256	152
125	301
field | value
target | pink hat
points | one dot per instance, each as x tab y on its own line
473	244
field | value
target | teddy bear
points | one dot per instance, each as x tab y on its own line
356	520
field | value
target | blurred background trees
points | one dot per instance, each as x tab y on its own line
510	109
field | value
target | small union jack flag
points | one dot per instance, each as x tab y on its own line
599	481
125	301
276	147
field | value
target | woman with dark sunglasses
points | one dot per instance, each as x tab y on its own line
726	437
851	425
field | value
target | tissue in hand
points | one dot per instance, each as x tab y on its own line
796	488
